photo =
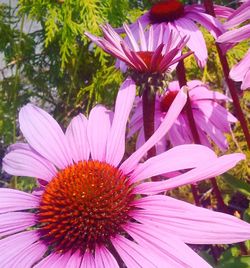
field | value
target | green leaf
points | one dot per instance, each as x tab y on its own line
237	184
235	262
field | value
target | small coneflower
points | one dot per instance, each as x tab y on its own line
95	209
212	119
181	19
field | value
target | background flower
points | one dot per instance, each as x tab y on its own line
211	118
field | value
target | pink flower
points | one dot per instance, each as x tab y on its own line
88	214
148	53
181	19
241	71
212	120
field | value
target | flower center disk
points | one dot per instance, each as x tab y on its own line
166	11
84	205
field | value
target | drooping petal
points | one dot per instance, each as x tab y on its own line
235	36
98	131
14	200
14	222
116	138
171	161
176	107
26	162
76	135
192	224
175	252
196	42
246	81
45	135
104	259
205	171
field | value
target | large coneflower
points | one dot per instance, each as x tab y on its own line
211	118
94	209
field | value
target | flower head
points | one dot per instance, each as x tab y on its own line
181	19
89	211
142	51
212	120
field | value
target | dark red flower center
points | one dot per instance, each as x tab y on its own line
83	206
166	11
167	100
146	57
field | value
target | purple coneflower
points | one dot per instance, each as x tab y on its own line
181	19
145	54
95	210
241	71
212	120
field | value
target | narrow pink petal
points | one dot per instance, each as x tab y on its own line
239	70
14	200
76	135
116	138
75	260
205	171
131	38
14	222
223	12
246	81
235	36
98	131
104	259
176	253
134	255
190	223
176	107
48	261
27	162
175	159
28	256
11	246
208	21
196	42
45	135
143	42
88	261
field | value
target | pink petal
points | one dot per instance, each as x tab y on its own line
14	222
75	260
207	21
235	36
13	245
176	107
48	261
14	200
223	11
239	70
116	138
45	135
205	171
104	259
178	158
98	131
76	135
196	42
190	223
246	81
88	261
176	253
28	256
134	255
27	162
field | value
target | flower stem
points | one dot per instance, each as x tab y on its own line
181	74
230	83
148	110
